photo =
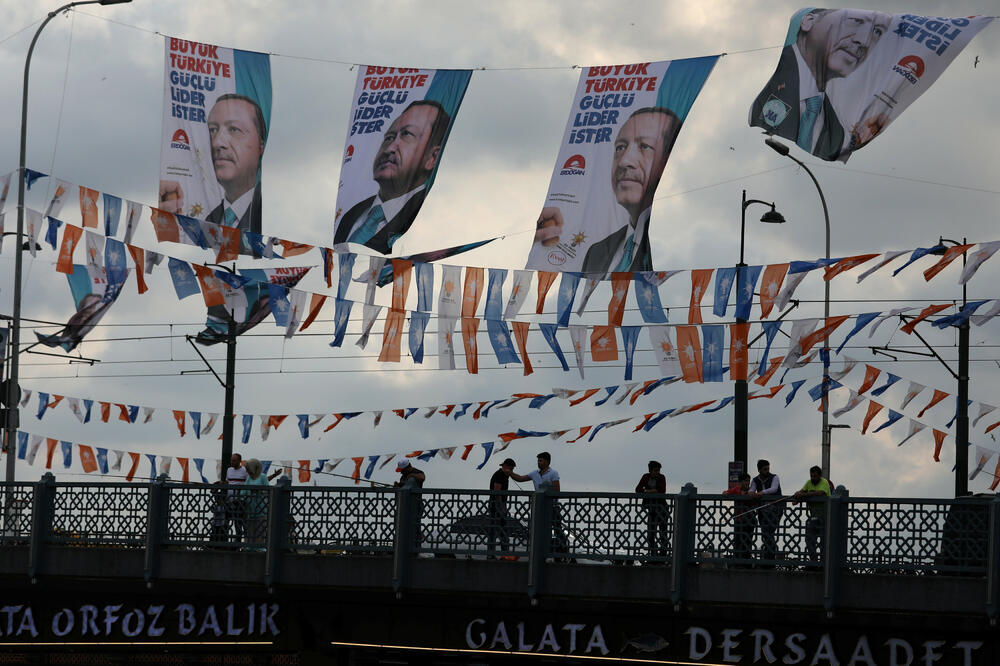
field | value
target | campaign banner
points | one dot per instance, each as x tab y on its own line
216	115
845	74
93	295
621	129
399	125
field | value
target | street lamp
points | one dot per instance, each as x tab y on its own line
740	395
12	422
783	150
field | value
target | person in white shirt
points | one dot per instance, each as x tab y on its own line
545	479
236	509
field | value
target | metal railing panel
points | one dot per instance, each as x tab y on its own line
15	512
342	519
89	514
473	523
612	527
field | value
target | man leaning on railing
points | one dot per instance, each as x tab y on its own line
816	486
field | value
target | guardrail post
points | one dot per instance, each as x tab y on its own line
993	564
277	527
835	545
42	514
684	525
405	537
156	526
540	540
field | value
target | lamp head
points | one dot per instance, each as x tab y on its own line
777	146
772	217
114	2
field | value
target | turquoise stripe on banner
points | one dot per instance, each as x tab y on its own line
682	82
253	79
447	89
795	24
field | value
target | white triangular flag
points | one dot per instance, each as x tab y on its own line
975	260
369	315
446	343
588	289
912	392
915	427
853	401
518	293
984	409
578	334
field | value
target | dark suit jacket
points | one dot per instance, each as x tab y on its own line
250	220
397	226
599	256
784	85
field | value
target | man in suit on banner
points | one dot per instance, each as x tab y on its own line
830	44
405	160
238	135
641	150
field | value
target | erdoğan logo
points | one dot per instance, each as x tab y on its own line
910	67
349	153
574	166
180	140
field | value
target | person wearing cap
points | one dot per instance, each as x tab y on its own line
499	482
411	478
654	483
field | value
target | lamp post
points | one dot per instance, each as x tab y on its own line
783	150
740	397
11	423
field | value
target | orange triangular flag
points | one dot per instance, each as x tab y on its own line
545	280
619	292
871	374
950	255
689	352
88	206
939	436
873	409
402	271
738	356
770	287
392	337
71	238
470	327
87	460
935	399
139	257
315	305
521	335
604	344
472	292
699	285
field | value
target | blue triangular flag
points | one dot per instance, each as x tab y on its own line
487	452
196	424
862	321
892	379
133	413
960	317
418	324
192	229
280	307
503	346
372	460
102	460
247	424
494	294
199	463
656	419
771	329
30	176
67	453
819	391
344	267
425	285
567	292
342	315
722	403
795	389
461	410
87	404
22	445
114	261
712	346
536	403
647	295
918	253
611	391
43	404
185	282
893	417
152	466
486	412
52	233
112	214
724	278
745	284
304	425
630	337
549	333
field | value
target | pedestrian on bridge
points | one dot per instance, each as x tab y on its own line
744	520
236	507
654	483
767	488
545	478
815	487
498	512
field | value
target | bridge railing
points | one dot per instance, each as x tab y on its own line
857	535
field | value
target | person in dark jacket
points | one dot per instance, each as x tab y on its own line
654	483
767	488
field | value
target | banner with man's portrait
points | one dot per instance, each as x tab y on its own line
216	114
845	74
621	129
399	124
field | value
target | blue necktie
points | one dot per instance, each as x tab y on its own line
364	233
229	217
807	121
626	263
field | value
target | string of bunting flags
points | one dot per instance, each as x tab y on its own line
96	458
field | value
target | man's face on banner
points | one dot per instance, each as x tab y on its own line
641	152
837	41
236	146
403	161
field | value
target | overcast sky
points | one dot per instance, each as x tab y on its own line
94	119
